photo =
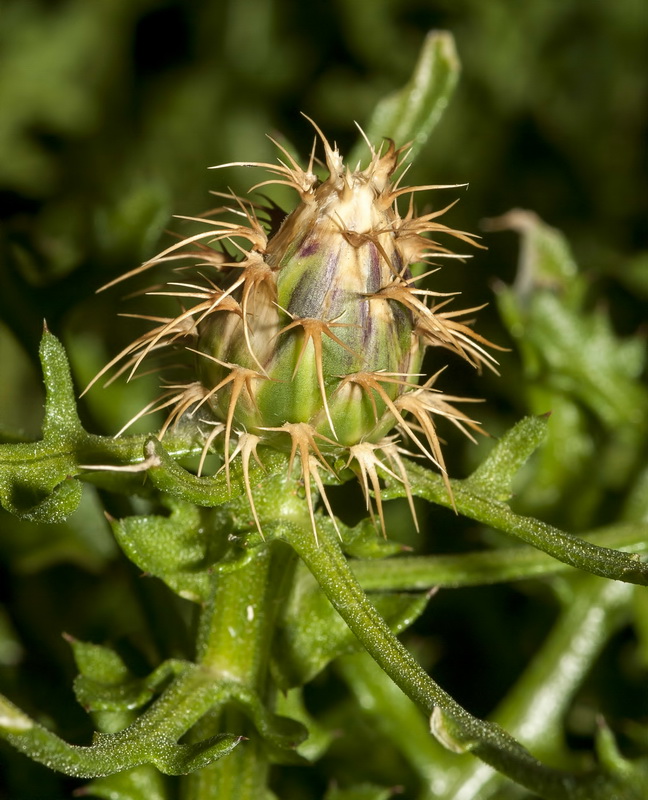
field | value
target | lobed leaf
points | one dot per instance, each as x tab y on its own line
178	549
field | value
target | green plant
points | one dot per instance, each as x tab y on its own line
281	590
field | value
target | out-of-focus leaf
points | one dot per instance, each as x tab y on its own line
83	538
575	366
134	221
139	783
410	114
10	648
363	540
291	704
51	67
364	791
311	633
572	350
392	712
631	775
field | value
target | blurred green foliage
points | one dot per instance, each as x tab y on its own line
110	113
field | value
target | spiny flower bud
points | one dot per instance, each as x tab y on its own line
310	339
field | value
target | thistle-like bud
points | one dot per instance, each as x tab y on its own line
311	338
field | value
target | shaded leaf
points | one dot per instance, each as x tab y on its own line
364	791
139	783
311	633
83	538
106	684
291	704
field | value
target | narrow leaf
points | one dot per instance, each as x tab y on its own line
61	417
410	114
494	477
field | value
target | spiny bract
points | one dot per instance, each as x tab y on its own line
308	335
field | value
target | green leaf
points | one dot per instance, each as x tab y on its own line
98	663
568	548
106	683
410	114
37	480
61	418
311	633
184	758
151	739
363	791
179	548
494	477
139	783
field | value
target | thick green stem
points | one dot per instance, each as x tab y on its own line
235	614
233	646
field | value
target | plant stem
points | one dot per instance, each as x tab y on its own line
454	726
484	567
233	645
535	707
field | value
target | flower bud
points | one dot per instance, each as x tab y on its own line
312	339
